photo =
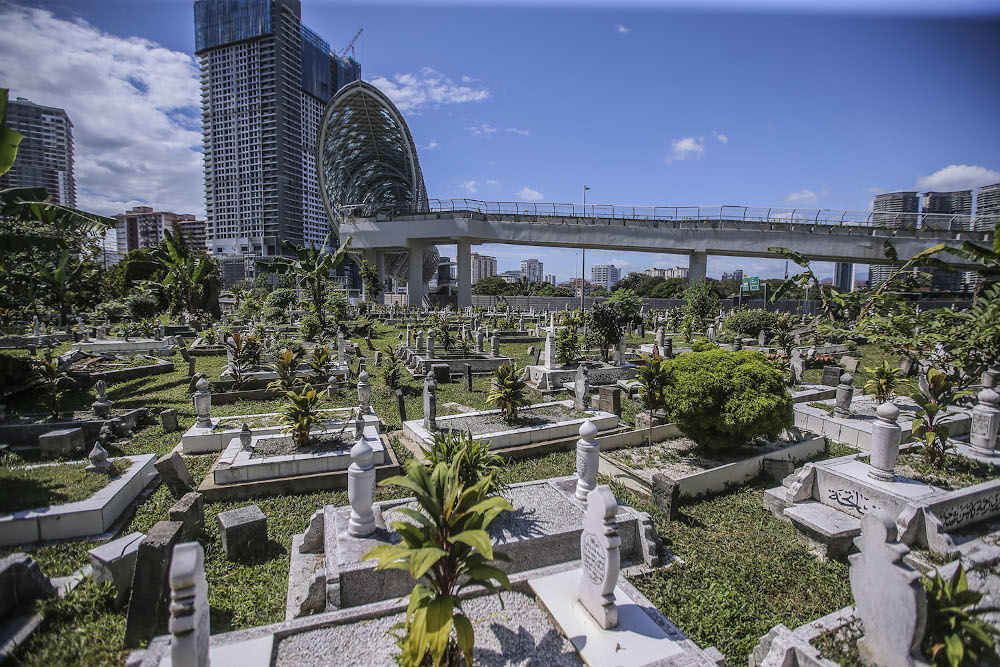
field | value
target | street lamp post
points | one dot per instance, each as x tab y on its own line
583	265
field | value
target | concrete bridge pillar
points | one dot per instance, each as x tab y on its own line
697	266
380	265
415	276
464	272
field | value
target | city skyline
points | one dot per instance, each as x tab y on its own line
139	139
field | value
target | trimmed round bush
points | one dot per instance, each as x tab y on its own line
310	327
748	323
142	305
726	400
114	310
280	298
703	346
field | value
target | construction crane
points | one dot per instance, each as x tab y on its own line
350	47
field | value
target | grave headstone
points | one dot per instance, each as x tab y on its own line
60	442
378	357
550	348
581	397
189	511
361	490
467	375
190	623
242	530
885	443
480	340
101	405
148	601
668	348
364	393
494	346
21	582
587	459
174	474
114	562
203	404
666	495
400	405
99	460
985	423
600	557
888	596
850	364
845	394
168	418
761	338
831	375
536	355
442	373
430	344
430	402
341	349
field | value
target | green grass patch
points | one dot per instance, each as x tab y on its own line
42	486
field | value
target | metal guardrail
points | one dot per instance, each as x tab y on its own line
719	213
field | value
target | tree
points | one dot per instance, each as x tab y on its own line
600	292
702	299
9	139
191	278
59	280
553	290
313	268
370	281
491	286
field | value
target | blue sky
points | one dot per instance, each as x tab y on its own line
646	104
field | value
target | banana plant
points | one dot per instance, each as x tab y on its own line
446	549
60	279
313	267
189	274
9	138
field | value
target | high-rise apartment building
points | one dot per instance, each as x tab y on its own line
605	275
142	227
45	156
483	266
892	209
531	270
987	207
675	272
949	203
736	275
550	278
265	80
511	276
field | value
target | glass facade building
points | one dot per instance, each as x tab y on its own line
265	80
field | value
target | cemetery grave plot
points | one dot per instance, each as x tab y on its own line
958	472
44	485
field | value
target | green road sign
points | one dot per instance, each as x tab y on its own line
754	284
746	284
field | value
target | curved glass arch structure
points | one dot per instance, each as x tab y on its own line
366	156
366	161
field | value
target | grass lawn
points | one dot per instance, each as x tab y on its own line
871	357
745	570
22	489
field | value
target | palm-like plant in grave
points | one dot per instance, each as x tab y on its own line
509	392
285	366
301	413
446	549
653	378
319	363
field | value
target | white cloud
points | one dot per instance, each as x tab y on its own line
413	92
686	147
470	186
622	30
529	194
492	182
432	145
721	137
134	105
801	197
514	130
958	177
483	130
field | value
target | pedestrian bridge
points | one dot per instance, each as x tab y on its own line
695	231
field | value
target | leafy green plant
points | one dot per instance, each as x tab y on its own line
567	345
312	266
954	635
286	366
478	462
509	392
702	299
687	326
320	364
237	343
748	323
885	379
310	327
54	382
446	549
301	413
725	399
934	397
783	337
703	346
652	378
391	372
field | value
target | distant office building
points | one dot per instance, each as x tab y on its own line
675	272
142	227
736	275
45	156
511	276
265	81
531	270
483	266
957	203
987	207
550	278
574	286
892	209
605	275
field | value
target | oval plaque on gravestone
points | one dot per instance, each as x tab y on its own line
581	465
594	559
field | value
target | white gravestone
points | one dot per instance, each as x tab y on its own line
600	557
430	343
581	389
985	423
550	349
341	352
364	393
189	611
886	435
480	337
361	489
587	455
430	402
888	595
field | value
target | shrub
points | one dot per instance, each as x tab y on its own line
320	363
885	379
445	549
703	346
55	382
567	345
142	305
749	323
509	392
115	311
725	399
285	366
14	371
477	461
282	344
954	635
310	327
301	413
702	299
280	298
391	372
273	315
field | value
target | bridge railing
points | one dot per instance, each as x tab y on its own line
598	213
